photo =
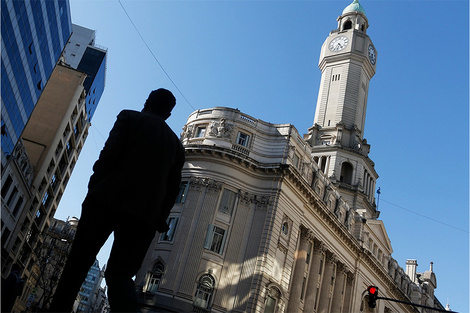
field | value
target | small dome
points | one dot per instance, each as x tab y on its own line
355	6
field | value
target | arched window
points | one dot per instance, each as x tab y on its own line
272	300
155	277
204	291
285	228
347	25
346	173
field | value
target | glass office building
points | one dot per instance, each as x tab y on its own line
93	63
84	55
34	34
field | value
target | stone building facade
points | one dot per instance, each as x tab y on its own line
268	220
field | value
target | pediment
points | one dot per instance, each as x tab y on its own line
377	228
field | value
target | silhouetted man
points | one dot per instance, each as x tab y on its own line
131	192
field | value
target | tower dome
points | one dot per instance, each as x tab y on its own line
355	6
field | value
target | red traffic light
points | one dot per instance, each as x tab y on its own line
373	295
372	290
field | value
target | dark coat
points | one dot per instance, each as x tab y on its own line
138	171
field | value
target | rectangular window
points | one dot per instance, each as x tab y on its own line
296	160
201	131
12	197
45	198
170	234
17	206
6	186
184	186
243	139
38	214
227	202
53	181
215	239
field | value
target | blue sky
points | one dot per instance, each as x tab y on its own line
262	58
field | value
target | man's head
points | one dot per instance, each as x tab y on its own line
160	102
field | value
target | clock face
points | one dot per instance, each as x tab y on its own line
372	55
338	44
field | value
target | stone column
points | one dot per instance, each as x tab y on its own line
299	269
348	293
312	283
338	293
324	300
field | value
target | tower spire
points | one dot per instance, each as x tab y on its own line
347	63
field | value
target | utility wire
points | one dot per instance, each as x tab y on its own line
429	218
154	56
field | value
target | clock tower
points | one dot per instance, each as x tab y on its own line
348	61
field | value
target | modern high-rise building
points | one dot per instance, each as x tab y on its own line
34	34
83	54
47	106
268	220
89	299
49	147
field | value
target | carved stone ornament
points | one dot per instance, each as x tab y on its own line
331	258
197	183
187	131
319	247
220	129
306	233
341	268
245	197
213	186
350	278
261	202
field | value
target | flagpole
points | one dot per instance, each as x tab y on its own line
378	197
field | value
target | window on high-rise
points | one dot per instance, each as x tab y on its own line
6	186
13	196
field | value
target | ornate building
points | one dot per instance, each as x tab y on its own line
268	220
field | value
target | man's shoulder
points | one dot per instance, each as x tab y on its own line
127	112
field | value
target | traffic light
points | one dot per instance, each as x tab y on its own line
373	294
